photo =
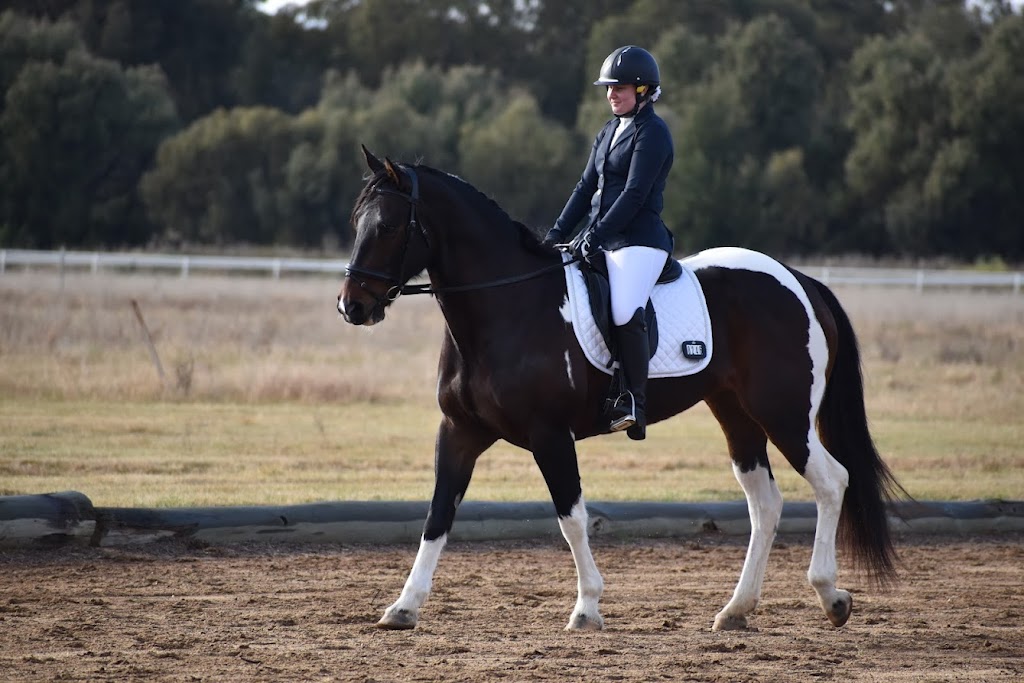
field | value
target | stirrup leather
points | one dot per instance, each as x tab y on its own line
623	412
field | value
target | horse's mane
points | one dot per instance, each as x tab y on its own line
486	204
473	196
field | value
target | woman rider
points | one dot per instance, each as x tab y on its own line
620	192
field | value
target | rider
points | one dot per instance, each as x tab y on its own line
622	187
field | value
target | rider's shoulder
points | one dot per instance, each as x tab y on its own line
652	124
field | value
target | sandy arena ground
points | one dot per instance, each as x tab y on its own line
180	612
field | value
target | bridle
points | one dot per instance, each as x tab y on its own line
398	287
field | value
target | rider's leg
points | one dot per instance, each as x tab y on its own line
632	273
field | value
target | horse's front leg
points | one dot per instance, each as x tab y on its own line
555	454
455	455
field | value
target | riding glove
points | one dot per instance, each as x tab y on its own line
553	237
587	247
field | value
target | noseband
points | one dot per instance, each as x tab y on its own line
397	283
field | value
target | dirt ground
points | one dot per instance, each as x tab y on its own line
181	612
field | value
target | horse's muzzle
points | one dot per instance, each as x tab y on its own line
356	313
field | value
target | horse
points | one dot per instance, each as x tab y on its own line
785	368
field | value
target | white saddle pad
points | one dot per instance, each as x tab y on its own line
682	317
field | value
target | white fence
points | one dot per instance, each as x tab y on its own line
183	264
918	278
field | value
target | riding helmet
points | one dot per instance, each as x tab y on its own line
630	65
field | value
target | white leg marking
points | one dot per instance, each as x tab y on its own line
590	585
405	612
764	503
829	479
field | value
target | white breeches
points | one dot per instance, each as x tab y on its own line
632	273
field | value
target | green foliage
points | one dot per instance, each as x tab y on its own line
76	132
227	179
879	126
197	43
938	140
900	110
517	157
988	114
739	175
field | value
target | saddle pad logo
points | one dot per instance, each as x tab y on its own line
694	349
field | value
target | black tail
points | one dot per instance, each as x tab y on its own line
843	428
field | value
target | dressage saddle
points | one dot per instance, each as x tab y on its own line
595	273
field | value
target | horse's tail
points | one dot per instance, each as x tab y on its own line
843	429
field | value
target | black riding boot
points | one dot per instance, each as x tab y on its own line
634	356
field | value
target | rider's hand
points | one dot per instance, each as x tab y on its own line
587	247
553	238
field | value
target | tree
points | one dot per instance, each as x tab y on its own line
978	175
520	159
900	116
75	134
283	62
219	181
778	76
23	40
739	135
197	43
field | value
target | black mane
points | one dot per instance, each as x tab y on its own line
528	237
485	204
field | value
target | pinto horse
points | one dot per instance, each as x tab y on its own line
785	368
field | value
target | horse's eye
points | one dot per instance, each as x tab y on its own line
386	229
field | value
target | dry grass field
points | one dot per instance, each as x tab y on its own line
269	397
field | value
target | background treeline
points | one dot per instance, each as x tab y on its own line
801	126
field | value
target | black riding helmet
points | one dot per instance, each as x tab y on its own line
631	65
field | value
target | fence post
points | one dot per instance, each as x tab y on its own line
920	280
277	269
95	262
3	261
184	267
1016	282
825	275
63	255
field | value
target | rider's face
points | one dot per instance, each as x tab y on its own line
622	98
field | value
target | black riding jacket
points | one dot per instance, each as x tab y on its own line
623	186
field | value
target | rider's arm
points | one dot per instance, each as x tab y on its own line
651	151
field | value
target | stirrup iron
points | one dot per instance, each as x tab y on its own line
625	406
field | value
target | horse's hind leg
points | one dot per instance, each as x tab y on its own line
829	480
747	442
555	454
456	454
799	442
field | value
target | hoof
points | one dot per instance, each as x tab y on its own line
840	610
397	620
581	622
725	622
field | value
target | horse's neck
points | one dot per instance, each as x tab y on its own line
477	249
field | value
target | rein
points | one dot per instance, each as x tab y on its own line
425	289
398	288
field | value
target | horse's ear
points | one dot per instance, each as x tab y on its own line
375	164
392	172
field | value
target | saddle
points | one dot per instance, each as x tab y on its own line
596	276
681	339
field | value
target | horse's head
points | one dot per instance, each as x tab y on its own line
390	244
